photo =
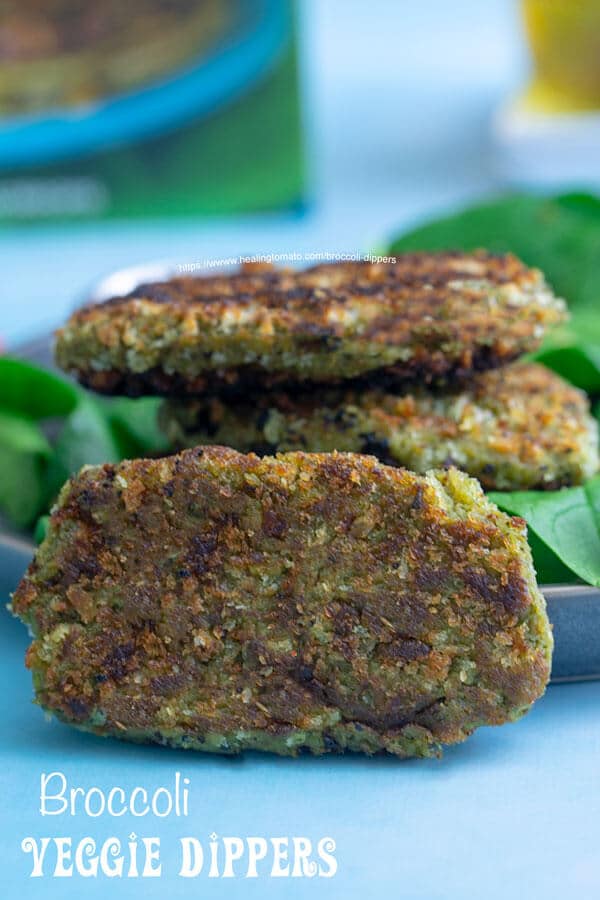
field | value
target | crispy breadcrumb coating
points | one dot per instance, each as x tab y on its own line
427	317
326	602
517	428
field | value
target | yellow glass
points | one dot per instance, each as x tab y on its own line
564	36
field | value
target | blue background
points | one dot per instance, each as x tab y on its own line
399	98
513	812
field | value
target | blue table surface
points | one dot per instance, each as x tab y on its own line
514	806
399	129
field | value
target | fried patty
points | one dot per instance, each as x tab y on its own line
429	317
326	602
517	428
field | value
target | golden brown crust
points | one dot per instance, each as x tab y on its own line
221	601
427	316
517	428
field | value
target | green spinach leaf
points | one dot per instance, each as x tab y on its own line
22	434
22	486
578	364
86	439
41	529
549	568
135	425
30	391
560	235
567	522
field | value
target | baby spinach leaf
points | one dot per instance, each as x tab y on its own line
579	364
41	529
86	439
573	350
22	434
567	522
30	391
32	468
135	424
549	569
588	204
22	486
560	235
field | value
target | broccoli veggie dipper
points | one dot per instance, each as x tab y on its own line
430	317
516	428
326	602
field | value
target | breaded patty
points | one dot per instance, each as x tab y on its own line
427	316
326	602
517	428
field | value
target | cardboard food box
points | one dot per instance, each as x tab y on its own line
147	108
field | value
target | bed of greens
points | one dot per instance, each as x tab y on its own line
561	236
49	427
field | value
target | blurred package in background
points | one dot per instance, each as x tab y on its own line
147	108
550	134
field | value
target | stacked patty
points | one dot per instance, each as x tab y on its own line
412	361
320	599
520	426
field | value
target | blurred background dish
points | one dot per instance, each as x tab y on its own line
564	37
67	53
99	103
549	134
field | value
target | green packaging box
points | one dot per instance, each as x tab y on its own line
167	108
